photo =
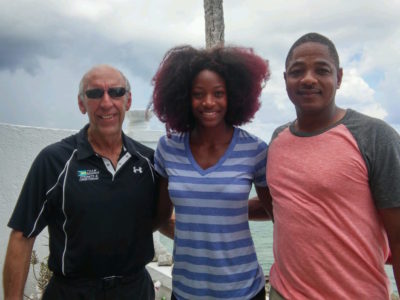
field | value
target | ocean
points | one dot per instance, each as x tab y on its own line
262	236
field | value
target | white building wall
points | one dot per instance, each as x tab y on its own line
19	145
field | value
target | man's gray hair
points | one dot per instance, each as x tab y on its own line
83	83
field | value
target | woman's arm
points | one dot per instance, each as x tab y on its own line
165	220
260	207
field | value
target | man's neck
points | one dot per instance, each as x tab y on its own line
320	121
106	146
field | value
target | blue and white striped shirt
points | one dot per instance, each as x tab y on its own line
214	254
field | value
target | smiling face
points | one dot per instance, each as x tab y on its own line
312	79
106	114
209	99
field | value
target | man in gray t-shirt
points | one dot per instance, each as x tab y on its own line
334	179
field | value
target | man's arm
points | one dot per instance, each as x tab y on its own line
168	228
16	265
260	207
164	221
391	221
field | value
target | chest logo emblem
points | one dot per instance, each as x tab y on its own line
88	175
137	170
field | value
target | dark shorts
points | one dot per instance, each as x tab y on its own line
274	295
140	286
259	296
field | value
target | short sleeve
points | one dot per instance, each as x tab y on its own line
159	157
379	145
260	165
29	215
385	169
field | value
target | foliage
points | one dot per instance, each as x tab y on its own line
42	279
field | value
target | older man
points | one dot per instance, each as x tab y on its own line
95	191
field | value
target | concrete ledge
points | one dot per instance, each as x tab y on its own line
163	275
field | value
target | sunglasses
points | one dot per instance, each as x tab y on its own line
114	92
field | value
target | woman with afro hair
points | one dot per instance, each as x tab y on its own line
208	166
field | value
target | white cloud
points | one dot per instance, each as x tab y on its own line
355	88
46	46
357	94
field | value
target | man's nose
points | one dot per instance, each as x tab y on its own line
106	100
309	78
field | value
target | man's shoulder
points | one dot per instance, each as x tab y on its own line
62	147
353	116
278	130
55	155
368	127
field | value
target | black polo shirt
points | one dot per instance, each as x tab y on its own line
99	219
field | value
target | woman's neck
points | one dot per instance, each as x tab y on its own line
212	136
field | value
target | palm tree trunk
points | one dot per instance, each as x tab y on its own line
214	21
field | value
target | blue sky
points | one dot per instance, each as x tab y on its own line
47	45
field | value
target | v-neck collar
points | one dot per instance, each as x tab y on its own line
219	162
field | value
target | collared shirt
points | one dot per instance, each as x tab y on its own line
99	218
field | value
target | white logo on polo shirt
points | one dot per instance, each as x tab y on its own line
137	170
88	175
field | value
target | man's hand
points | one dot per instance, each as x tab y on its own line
391	221
16	265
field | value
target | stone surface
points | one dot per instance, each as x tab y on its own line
162	256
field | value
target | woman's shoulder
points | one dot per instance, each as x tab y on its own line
174	140
246	137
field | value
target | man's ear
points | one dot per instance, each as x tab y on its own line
339	77
284	76
81	105
128	102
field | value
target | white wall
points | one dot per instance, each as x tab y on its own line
19	145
